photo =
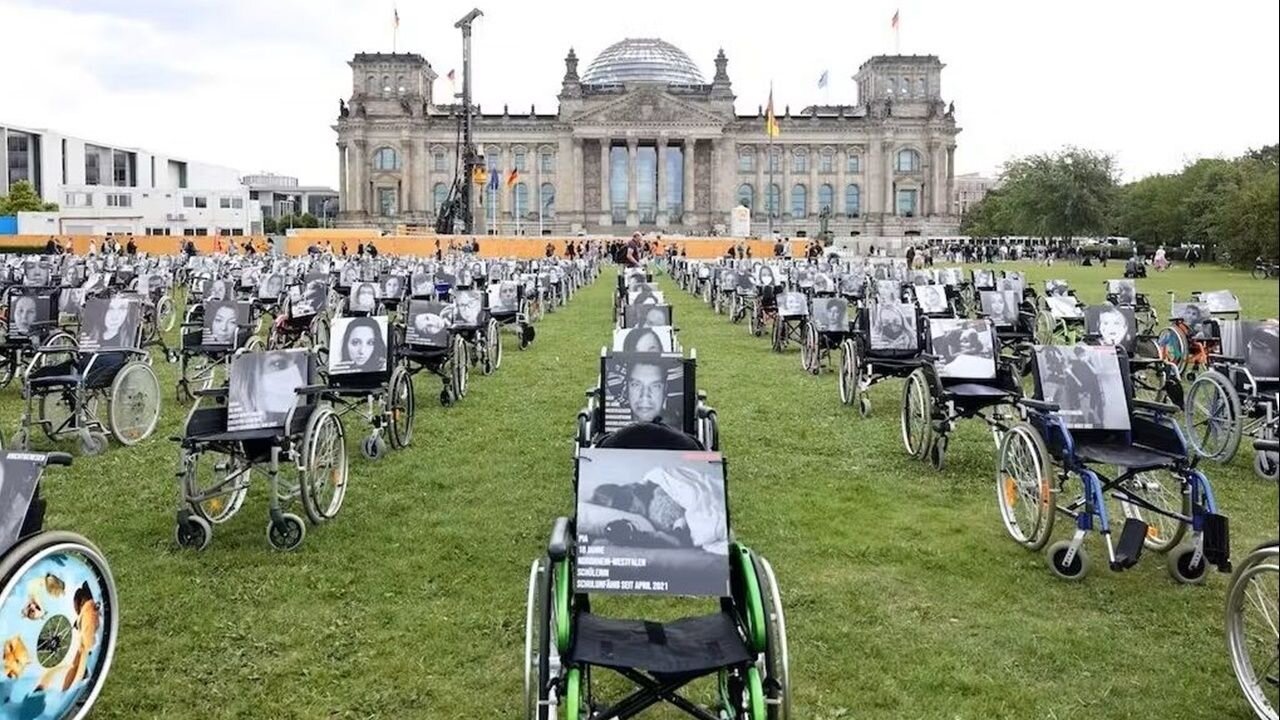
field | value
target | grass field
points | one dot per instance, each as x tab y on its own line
904	596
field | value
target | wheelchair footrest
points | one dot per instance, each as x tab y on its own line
1129	550
1217	541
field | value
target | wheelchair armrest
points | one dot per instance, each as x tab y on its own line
1040	405
558	546
313	389
211	392
1156	407
191	326
58	458
51	349
1266	445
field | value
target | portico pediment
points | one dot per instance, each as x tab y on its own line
649	107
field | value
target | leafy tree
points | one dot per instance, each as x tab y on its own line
22	197
1062	194
989	217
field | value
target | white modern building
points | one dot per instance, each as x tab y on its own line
281	195
105	189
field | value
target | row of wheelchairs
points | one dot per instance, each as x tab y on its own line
651	518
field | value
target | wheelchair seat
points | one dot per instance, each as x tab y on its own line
977	390
70	372
1122	454
649	436
688	645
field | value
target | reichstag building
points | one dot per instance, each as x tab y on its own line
642	140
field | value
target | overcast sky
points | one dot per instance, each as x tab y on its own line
254	84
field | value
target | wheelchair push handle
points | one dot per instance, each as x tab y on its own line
1266	445
58	458
558	546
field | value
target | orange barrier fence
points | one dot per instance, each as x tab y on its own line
416	245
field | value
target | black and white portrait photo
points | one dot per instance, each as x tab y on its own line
984	279
504	298
1220	301
965	348
853	284
217	289
349	275
393	287
888	291
26	310
951	276
646	294
1084	382
1063	307
1113	326
422	284
18	473
893	327
1193	314
743	283
830	314
1000	305
1056	287
314	297
264	388
652	521
649	339
1012	281
646	315
469	304
108	324
222	319
270	286
932	298
364	297
1124	291
428	323
793	304
358	345
70	301
643	387
1261	348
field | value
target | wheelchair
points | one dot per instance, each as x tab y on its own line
610	546
64	385
962	378
1153	378
31	323
883	343
478	329
1074	424
370	382
628	280
1251	610
790	321
270	418
1059	316
1124	293
826	330
1237	396
304	318
429	344
58	604
1189	340
206	347
1014	317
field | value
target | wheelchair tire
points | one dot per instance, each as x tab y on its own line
1178	563
809	351
134	407
1172	346
1073	571
1046	328
916	421
938	453
778	335
192	532
492	341
1253	585
1213	420
776	662
461	365
400	406
324	476
539	645
1023	478
1266	465
166	315
32	562
848	371
93	443
287	534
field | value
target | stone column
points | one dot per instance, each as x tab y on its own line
815	155
633	186
842	182
358	178
886	153
606	199
713	189
661	219
762	187
575	173
937	179
951	172
688	196
343	201
406	177
784	199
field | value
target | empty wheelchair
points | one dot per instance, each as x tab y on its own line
1059	316
1253	604
639	385
1124	293
430	345
270	419
213	332
366	379
31	323
827	329
65	386
1084	416
651	518
59	609
884	343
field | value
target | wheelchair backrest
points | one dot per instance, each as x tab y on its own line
1001	306
892	329
1012	280
471	307
830	314
270	286
428	324
504	297
1192	313
1220	302
792	304
393	285
652	522
30	308
1064	307
646	316
951	277
1085	382
422	284
263	387
310	298
983	279
19	478
364	297
966	349
110	324
359	346
1054	288
647	387
646	294
226	323
932	299
649	338
1122	292
1112	325
888	290
1255	343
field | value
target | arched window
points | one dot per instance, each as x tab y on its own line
385	158
548	192
775	160
908	160
547	160
371	84
852	201
893	86
520	200
400	87
747	161
386	84
799	201
747	196
826	198
799	161
774	200
827	164
439	194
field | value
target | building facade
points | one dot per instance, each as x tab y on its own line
102	189
970	188
281	195
641	141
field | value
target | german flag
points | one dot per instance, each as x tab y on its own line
771	127
513	177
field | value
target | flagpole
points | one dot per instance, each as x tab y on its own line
768	193
395	28
517	203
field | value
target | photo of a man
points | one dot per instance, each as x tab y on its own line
830	314
644	387
23	315
965	348
1125	292
1084	382
469	305
504	298
1262	348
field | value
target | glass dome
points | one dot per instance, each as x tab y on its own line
642	60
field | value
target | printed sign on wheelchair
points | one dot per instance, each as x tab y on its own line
646	315
1079	379
428	324
222	321
647	339
644	387
965	348
27	310
830	315
1114	326
358	345
110	324
264	386
893	327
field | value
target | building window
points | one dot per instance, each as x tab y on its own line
224	203
195	201
547	162
619	182
773	200
746	161
853	201
64	161
386	201
225	232
747	196
78	199
189	232
386	158
907	202
854	165
119	200
547	193
908	161
237	232
157	231
827	162
438	161
799	161
775	160
826	199
799	201
92	164
371	84
201	232
439	194
517	160
229	203
520	200
123	172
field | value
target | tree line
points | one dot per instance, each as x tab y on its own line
1229	207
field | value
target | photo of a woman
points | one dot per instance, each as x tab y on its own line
109	324
893	327
360	344
364	298
643	340
428	324
221	323
264	388
469	306
22	315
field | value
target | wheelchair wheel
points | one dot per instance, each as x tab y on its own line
92	442
776	662
1163	490
1251	628
492	346
809	352
192	532
288	533
1024	490
70	644
135	403
1213	422
214	485
757	322
324	480
401	407
779	334
166	314
848	379
538	685
917	415
711	432
1266	465
1074	570
460	367
1181	568
1173	348
1046	327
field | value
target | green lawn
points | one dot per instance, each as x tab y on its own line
905	598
